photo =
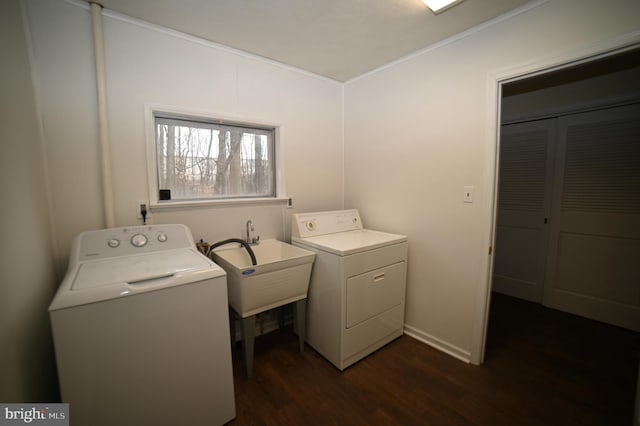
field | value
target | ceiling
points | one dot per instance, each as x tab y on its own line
338	39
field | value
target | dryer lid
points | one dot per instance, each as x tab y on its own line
351	242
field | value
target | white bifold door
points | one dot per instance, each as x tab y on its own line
524	206
572	242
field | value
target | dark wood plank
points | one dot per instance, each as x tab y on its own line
542	367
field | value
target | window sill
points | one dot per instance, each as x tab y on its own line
179	205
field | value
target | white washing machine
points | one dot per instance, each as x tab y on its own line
141	330
356	297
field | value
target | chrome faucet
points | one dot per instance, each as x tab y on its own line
251	240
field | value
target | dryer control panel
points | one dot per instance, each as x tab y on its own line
305	225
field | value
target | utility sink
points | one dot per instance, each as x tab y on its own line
281	275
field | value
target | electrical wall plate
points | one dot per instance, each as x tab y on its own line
467	196
140	205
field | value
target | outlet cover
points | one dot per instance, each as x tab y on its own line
468	194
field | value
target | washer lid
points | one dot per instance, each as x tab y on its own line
137	269
350	242
101	280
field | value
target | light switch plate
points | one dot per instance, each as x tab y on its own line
468	194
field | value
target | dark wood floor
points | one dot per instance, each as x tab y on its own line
542	367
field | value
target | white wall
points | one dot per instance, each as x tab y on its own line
420	130
27	277
415	134
148	64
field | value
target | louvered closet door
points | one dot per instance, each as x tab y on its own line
594	251
524	200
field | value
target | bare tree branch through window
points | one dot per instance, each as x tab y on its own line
213	160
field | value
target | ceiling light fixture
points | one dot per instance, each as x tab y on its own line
438	6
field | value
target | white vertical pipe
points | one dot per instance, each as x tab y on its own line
103	119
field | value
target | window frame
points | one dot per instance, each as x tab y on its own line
153	110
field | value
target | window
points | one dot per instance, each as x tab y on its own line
206	159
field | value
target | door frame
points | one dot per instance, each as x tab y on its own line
494	83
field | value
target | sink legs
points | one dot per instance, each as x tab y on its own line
248	337
232	329
299	321
248	326
248	329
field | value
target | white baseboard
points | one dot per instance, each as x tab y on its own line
268	321
446	347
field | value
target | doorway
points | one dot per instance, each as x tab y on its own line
607	65
568	215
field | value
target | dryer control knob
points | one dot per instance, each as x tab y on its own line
162	237
113	243
139	240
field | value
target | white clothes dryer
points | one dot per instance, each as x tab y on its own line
356	297
141	330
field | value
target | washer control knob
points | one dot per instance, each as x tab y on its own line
139	240
162	237
113	243
311	225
